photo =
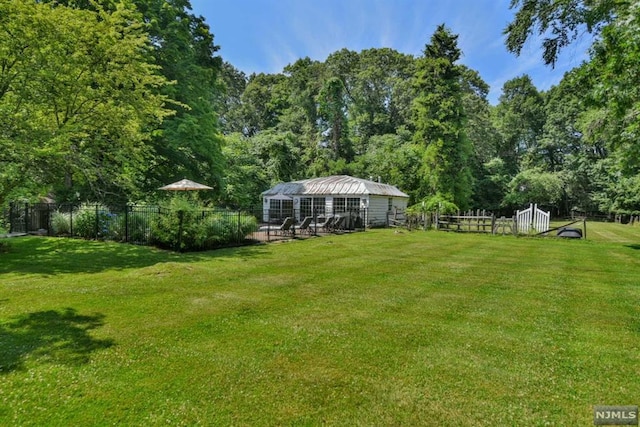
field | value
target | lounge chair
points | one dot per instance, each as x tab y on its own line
304	226
324	223
338	223
284	228
328	224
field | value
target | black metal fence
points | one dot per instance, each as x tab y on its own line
129	223
197	229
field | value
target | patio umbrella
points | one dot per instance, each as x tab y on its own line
185	185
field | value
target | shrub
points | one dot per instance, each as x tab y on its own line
228	227
174	223
61	223
133	227
92	221
139	228
189	226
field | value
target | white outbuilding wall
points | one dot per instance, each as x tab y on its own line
334	194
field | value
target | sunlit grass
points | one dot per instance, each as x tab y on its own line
375	328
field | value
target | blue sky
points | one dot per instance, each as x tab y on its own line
266	35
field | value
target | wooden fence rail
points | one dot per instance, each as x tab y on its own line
474	223
479	221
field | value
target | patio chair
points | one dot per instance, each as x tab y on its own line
338	223
328	224
304	226
284	228
323	222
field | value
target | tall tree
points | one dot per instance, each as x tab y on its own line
381	94
520	120
489	182
439	121
229	102
78	98
245	175
304	81
332	110
609	95
190	141
263	102
614	72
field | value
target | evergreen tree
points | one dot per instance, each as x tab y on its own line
439	122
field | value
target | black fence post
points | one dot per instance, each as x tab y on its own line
268	225
293	225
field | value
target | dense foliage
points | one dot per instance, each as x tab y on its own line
79	97
139	98
187	226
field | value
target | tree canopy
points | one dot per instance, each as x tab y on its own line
108	99
79	99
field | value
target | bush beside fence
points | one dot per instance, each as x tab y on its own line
189	229
181	226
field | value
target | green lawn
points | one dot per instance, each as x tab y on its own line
376	328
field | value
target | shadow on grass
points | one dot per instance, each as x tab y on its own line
49	337
52	255
634	246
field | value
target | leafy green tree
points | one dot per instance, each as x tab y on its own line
332	106
189	143
486	167
303	83
394	159
263	102
381	95
558	22
520	119
245	175
491	185
300	119
229	102
479	125
561	136
439	121
79	99
535	186
277	154
614	72
608	92
343	65
563	146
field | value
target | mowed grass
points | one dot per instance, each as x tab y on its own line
375	328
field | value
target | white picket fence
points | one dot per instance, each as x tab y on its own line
532	219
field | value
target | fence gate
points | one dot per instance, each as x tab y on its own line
532	219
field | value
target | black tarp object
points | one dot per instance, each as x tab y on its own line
570	233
